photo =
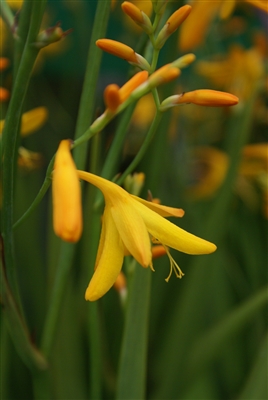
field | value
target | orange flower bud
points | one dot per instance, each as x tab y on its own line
4	63
177	18
112	97
138	16
4	94
158	251
126	90
121	50
207	97
118	49
172	24
66	194
132	11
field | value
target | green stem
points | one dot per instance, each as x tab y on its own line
40	195
10	136
6	14
18	329
211	344
131	382
143	148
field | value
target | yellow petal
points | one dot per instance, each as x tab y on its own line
110	260
133	231
164	211
171	235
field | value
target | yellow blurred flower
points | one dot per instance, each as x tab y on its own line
210	167
31	121
128	223
66	194
29	160
237	73
193	30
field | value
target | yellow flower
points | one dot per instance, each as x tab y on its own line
66	194
128	223
211	166
194	29
237	73
31	121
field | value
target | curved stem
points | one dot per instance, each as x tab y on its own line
40	195
143	148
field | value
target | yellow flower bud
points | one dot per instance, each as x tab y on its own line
66	194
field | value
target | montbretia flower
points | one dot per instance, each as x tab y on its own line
66	194
129	224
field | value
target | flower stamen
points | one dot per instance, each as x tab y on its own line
173	266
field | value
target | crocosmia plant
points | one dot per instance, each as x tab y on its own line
133	141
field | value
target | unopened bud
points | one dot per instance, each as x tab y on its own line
112	97
50	35
121	50
138	16
66	194
172	24
202	97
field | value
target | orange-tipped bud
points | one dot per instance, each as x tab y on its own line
202	97
137	16
121	50
158	251
112	97
134	82
172	24
4	94
66	194
210	98
163	75
117	49
4	63
177	18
